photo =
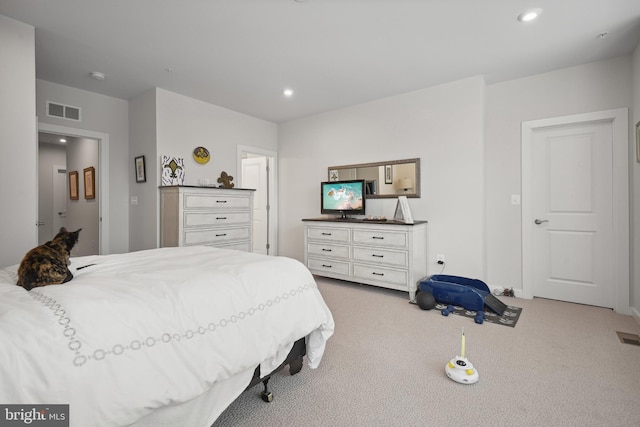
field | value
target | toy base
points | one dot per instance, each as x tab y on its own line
460	370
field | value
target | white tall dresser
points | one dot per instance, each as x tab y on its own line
220	217
388	254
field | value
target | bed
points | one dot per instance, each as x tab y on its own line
162	337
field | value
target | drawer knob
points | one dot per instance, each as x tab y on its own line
221	201
221	235
376	237
377	274
221	217
326	250
327	266
326	234
377	256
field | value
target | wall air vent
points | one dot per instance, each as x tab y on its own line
63	111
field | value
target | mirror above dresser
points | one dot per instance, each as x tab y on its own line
384	180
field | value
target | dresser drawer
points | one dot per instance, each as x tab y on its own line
382	238
213	201
211	216
381	256
326	233
328	250
380	274
215	236
200	219
329	266
238	246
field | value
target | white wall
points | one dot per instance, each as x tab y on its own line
18	136
634	172
84	213
185	123
143	224
107	115
181	125
442	125
586	88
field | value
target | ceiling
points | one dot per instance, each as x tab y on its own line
54	139
241	54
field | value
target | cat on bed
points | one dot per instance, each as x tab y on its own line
47	263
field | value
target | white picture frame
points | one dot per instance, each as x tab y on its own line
403	212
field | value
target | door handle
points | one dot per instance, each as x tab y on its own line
540	221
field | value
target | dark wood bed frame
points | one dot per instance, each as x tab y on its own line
294	359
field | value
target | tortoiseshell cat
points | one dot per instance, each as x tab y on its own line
47	263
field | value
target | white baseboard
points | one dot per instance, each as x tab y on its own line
635	314
517	292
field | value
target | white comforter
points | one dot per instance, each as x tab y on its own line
139	331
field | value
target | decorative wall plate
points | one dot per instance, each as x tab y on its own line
201	155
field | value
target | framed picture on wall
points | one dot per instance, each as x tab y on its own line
90	183
141	174
388	175
73	185
403	212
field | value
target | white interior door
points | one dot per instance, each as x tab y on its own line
572	210
52	206
255	175
60	192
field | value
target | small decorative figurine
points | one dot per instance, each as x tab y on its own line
225	180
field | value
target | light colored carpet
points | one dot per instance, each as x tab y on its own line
562	365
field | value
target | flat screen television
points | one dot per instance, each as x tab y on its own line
343	197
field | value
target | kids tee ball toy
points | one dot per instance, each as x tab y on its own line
460	370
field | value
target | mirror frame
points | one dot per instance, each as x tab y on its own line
414	194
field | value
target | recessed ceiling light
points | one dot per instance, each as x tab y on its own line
97	75
529	15
63	140
288	92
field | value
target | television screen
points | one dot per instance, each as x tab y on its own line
343	197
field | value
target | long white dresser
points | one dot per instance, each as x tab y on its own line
388	254
210	216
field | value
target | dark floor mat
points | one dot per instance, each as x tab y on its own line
509	317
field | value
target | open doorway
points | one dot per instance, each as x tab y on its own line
63	163
257	169
84	152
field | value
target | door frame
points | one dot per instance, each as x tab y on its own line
55	172
619	119
103	180
272	161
